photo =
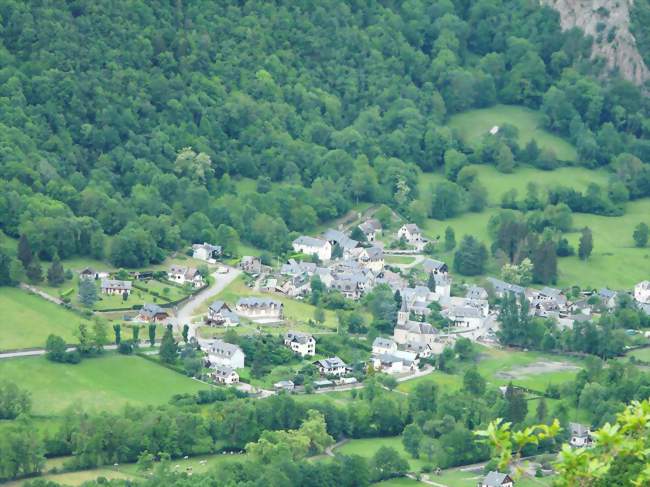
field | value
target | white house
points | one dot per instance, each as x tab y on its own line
206	251
259	307
300	343
336	237
220	314
114	286
225	354
642	292
225	375
331	366
496	479
371	258
434	266
382	346
580	435
415	332
181	275
313	246
371	229
465	316
411	233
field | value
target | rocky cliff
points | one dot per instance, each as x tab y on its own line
608	22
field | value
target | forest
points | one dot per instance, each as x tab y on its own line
127	125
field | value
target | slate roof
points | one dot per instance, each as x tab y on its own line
340	238
579	430
383	342
151	310
310	241
370	226
258	302
505	287
298	337
222	349
331	363
217	306
494	479
116	284
223	370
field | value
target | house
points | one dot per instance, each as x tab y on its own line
496	479
206	252
152	313
411	233
220	314
501	288
259	307
336	237
608	298
250	264
225	354
313	246
434	266
331	366
382	346
397	362
552	295
296	268
114	286
300	343
580	435
476	293
294	286
224	375
284	385
415	332
371	258
422	350
464	316
417	300
325	275
181	275
642	292
371	229
90	273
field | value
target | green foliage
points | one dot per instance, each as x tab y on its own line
471	257
87	292
13	400
586	244
55	273
168	347
640	235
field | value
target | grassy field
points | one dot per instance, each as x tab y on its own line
399	259
367	447
640	354
525	369
105	383
474	124
27	320
400	482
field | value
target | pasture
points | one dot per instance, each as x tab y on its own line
472	125
367	447
27	320
104	383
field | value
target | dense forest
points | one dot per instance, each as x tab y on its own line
126	124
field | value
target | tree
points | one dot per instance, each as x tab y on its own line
25	254
319	315
398	299
431	282
640	235
55	274
135	331
516	405
168	347
387	463
7	269
228	238
471	256
13	401
55	349
185	332
586	244
450	239
152	334
117	329
34	271
411	438
473	382
542	410
87	292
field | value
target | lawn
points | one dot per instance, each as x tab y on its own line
78	478
399	259
105	383
474	124
400	482
27	320
367	447
640	354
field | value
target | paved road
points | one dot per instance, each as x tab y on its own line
189	309
40	351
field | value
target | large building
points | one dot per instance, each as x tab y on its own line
224	354
313	246
114	286
259	308
300	343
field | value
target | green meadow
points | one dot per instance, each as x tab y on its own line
104	383
474	124
27	320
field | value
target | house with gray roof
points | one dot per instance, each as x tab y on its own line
259	307
434	266
496	479
313	246
501	288
220	314
476	292
301	343
115	286
580	435
206	251
411	233
371	228
221	353
336	237
608	298
224	375
382	346
331	366
464	316
152	313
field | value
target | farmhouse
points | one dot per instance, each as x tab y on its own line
371	229
411	233
250	264
300	343
206	252
284	385
152	313
220	314
371	258
114	286
331	366
414	332
225	354
642	292
608	298
259	307
464	316
580	435
382	346
313	246
496	479
182	275
476	293
225	375
90	273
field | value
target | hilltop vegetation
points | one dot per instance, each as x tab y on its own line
326	104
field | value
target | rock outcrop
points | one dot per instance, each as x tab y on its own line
608	22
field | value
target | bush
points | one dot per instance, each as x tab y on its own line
125	347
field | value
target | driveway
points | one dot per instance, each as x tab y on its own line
188	310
